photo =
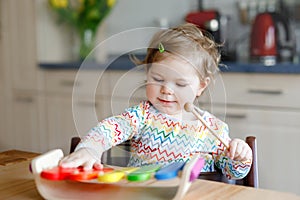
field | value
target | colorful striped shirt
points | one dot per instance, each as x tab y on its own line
160	138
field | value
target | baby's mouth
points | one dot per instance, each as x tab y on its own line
165	101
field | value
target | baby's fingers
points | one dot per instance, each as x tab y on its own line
246	154
71	161
232	149
239	150
83	157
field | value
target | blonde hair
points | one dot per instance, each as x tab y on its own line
188	42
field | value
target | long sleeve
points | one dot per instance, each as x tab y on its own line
113	130
232	169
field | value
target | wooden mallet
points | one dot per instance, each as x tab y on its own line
189	107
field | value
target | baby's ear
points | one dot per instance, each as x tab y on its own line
203	85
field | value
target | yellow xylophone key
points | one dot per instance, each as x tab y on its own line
115	176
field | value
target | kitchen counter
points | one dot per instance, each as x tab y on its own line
124	63
284	68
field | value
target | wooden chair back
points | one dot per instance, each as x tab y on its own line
74	142
252	178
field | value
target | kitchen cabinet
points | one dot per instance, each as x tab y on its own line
266	106
71	114
60	124
4	135
19	34
277	133
26	126
2	97
279	91
127	89
20	103
114	91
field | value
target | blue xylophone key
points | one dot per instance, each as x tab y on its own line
169	171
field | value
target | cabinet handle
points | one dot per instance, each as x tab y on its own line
24	99
265	91
69	83
236	116
87	104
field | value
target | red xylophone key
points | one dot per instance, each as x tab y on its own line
77	174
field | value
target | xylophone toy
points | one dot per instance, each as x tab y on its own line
113	182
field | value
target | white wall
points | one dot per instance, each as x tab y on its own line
55	41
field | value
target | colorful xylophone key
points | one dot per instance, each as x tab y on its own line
135	174
116	175
144	173
169	171
88	175
77	174
57	173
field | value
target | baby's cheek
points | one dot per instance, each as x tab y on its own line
187	97
150	91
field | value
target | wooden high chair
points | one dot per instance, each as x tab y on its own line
250	180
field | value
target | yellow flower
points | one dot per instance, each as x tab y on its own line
83	15
59	3
111	3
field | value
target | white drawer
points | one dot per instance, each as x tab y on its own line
85	82
273	90
128	84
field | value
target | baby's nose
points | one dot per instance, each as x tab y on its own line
166	89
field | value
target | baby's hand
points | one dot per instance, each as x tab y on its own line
239	150
85	157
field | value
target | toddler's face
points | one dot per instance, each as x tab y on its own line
171	83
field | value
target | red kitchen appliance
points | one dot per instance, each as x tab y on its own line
271	39
208	20
214	23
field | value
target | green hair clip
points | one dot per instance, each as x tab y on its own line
161	47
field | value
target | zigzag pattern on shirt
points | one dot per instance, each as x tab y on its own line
236	169
220	148
161	119
181	144
93	139
157	137
96	138
217	125
200	132
114	129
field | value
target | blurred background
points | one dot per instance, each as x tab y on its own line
234	23
256	94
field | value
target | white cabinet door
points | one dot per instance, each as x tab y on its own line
25	123
20	42
268	90
66	121
6	139
60	124
2	50
278	136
